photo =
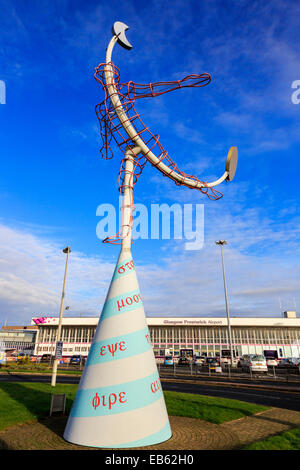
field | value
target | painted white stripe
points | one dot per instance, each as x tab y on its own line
124	255
116	429
121	324
122	285
119	371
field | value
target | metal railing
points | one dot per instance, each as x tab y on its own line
226	371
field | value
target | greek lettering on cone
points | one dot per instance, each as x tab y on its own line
111	400
126	267
155	386
112	348
129	301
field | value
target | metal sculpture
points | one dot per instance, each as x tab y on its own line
119	402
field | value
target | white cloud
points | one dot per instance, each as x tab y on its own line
260	260
31	277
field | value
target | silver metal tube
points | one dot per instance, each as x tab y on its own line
55	362
127	200
221	243
131	132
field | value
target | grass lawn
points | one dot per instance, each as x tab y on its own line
23	402
15	368
288	440
212	409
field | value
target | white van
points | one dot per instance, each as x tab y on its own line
254	363
2	358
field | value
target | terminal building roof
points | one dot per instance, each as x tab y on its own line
177	321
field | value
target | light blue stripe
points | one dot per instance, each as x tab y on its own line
118	305
129	396
161	436
125	346
127	269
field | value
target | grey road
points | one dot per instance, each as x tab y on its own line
270	395
288	399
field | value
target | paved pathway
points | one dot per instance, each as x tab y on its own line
188	433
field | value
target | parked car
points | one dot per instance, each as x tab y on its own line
289	362
254	363
257	363
46	358
183	361
295	361
271	362
168	361
77	359
21	356
227	361
244	361
198	360
2	358
212	362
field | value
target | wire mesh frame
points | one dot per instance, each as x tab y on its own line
112	129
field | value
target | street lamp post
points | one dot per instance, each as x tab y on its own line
66	250
221	243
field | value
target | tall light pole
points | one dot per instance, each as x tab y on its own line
66	250
221	243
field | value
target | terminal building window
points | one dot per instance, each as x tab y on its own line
223	335
65	334
85	332
209	335
176	335
217	335
202	339
189	334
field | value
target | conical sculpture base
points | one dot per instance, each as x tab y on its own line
119	402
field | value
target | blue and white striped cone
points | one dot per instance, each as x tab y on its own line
119	402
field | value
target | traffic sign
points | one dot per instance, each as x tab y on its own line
59	348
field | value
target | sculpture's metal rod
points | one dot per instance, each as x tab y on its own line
127	207
131	132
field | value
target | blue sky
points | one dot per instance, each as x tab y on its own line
53	179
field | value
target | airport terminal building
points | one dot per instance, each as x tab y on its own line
205	336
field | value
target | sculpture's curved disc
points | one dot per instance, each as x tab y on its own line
231	163
118	30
